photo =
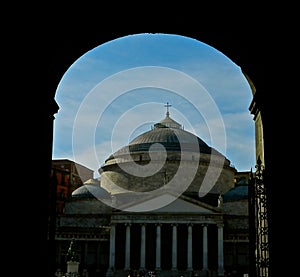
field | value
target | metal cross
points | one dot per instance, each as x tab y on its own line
167	106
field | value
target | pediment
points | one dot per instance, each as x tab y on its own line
168	203
181	205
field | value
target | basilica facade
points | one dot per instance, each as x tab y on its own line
188	217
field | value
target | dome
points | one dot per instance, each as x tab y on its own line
166	151
91	189
168	133
239	192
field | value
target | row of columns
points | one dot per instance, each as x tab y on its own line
174	248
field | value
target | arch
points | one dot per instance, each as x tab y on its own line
238	46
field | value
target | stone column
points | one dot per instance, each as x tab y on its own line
112	253
143	247
158	246
220	251
174	247
189	248
205	248
127	247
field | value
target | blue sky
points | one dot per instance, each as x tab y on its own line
119	89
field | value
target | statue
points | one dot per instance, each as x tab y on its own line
71	254
72	260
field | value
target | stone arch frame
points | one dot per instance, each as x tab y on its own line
241	48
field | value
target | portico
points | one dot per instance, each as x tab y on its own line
168	241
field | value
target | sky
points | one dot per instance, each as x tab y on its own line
120	89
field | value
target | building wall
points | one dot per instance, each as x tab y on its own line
65	177
88	221
194	173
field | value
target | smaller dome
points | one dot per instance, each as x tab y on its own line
91	189
92	182
236	193
168	122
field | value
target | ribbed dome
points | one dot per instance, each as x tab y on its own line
168	133
165	156
91	189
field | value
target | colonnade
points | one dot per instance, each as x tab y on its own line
174	247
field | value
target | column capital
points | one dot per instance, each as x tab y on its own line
128	224
220	225
204	224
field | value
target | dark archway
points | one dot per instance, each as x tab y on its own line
65	46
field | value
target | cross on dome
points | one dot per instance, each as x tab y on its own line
168	122
168	106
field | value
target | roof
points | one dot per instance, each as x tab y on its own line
69	162
168	133
91	189
239	192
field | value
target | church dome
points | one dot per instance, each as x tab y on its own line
91	189
168	133
164	156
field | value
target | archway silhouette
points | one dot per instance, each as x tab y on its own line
238	47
